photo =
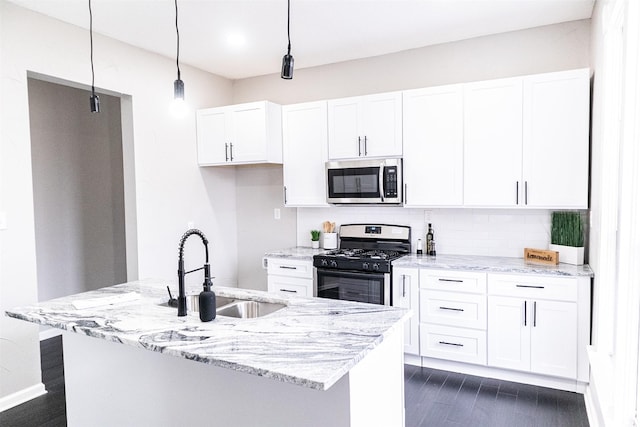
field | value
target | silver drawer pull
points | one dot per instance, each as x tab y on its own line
451	308
288	268
530	286
451	343
288	290
451	280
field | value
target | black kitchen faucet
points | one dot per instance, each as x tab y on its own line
207	297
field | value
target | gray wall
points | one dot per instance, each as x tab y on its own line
78	190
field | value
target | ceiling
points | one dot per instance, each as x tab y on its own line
245	38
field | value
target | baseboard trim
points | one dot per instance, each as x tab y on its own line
591	405
49	333
22	396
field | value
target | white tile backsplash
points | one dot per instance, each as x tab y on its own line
491	232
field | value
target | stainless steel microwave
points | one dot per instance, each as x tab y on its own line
366	181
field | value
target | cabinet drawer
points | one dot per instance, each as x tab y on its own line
457	344
458	281
453	309
535	287
290	267
290	286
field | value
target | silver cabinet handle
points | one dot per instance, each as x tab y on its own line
226	152
285	194
359	148
535	313
525	313
530	286
404	290
451	308
451	343
405	193
231	150
365	145
451	280
288	267
288	290
526	193
517	192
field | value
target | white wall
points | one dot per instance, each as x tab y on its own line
538	50
170	191
78	190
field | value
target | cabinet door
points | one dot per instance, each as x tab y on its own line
305	154
344	128
554	347
493	143
249	133
405	294
432	146
212	127
290	285
556	139
508	333
381	129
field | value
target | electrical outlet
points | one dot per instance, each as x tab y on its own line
276	213
427	216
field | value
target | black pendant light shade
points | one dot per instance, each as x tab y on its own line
178	84
287	67
94	100
287	60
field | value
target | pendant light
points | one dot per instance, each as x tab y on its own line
287	60
178	85
94	100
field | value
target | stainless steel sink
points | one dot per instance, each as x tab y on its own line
249	309
239	308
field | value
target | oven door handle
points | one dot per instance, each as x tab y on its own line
381	181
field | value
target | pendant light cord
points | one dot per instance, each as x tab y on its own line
177	41
288	22
93	89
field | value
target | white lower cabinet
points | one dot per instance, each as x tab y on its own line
533	324
405	294
453	315
290	277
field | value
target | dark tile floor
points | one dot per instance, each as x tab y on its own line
440	398
433	398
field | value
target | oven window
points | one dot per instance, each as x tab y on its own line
354	182
351	286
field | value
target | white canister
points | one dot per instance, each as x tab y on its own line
330	241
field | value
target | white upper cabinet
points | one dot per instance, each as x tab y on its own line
240	134
433	146
365	126
556	139
493	143
304	153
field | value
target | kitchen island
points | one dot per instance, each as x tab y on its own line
129	360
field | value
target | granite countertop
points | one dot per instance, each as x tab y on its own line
312	342
492	264
303	253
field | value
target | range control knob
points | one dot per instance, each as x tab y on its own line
334	264
324	262
365	265
376	266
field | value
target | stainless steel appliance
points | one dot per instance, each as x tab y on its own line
364	181
360	270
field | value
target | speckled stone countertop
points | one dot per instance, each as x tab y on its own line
298	252
312	342
492	265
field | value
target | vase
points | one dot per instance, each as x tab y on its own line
315	244
569	254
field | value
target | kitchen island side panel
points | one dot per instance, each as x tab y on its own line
110	384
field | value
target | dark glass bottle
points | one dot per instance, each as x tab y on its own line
430	237
207	298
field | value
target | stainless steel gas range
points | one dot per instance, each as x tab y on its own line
360	270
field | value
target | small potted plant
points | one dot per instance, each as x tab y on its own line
315	239
567	237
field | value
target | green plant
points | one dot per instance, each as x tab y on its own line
567	229
315	235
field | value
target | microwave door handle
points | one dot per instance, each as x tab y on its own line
381	181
